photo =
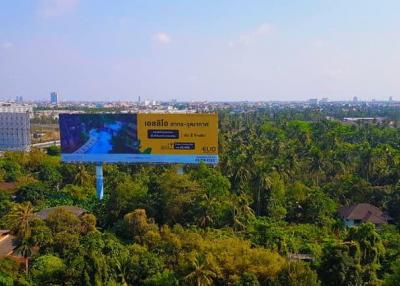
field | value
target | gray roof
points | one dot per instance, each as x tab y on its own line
44	213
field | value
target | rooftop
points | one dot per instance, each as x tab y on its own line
44	214
365	213
7	243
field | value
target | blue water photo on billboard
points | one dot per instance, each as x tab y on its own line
99	134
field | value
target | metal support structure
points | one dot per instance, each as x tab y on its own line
99	181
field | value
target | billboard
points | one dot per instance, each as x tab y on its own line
139	138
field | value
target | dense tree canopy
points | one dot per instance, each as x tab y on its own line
270	202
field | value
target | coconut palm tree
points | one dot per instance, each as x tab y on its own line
82	176
18	219
241	211
201	274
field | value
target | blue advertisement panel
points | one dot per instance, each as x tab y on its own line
136	138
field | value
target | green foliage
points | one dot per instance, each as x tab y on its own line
394	202
288	238
165	278
393	279
126	197
248	279
297	274
47	270
9	272
212	200
318	208
177	197
6	280
18	219
371	248
137	224
275	207
34	192
5	203
340	265
12	170
53	150
78	192
49	173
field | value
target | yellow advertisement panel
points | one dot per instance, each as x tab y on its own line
178	134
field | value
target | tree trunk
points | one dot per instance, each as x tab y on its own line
26	264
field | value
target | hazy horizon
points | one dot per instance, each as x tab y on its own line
208	50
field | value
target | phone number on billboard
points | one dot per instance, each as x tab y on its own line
207	159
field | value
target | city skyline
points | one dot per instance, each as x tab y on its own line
224	51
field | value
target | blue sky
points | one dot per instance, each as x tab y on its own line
200	50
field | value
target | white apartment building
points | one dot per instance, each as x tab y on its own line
11	107
14	131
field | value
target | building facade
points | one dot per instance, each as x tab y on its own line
14	131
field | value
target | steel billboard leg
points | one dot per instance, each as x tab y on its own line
99	182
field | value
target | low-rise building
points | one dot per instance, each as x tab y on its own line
15	108
363	213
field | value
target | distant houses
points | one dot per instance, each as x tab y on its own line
363	213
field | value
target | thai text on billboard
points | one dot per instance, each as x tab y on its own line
139	138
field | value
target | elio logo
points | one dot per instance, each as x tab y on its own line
209	149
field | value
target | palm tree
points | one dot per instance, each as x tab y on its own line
25	249
122	267
18	219
366	158
82	176
261	185
316	162
242	212
201	274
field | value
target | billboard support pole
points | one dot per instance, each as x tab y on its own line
99	181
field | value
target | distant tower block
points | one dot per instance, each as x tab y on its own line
54	98
19	99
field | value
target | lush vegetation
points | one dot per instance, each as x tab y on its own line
273	196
